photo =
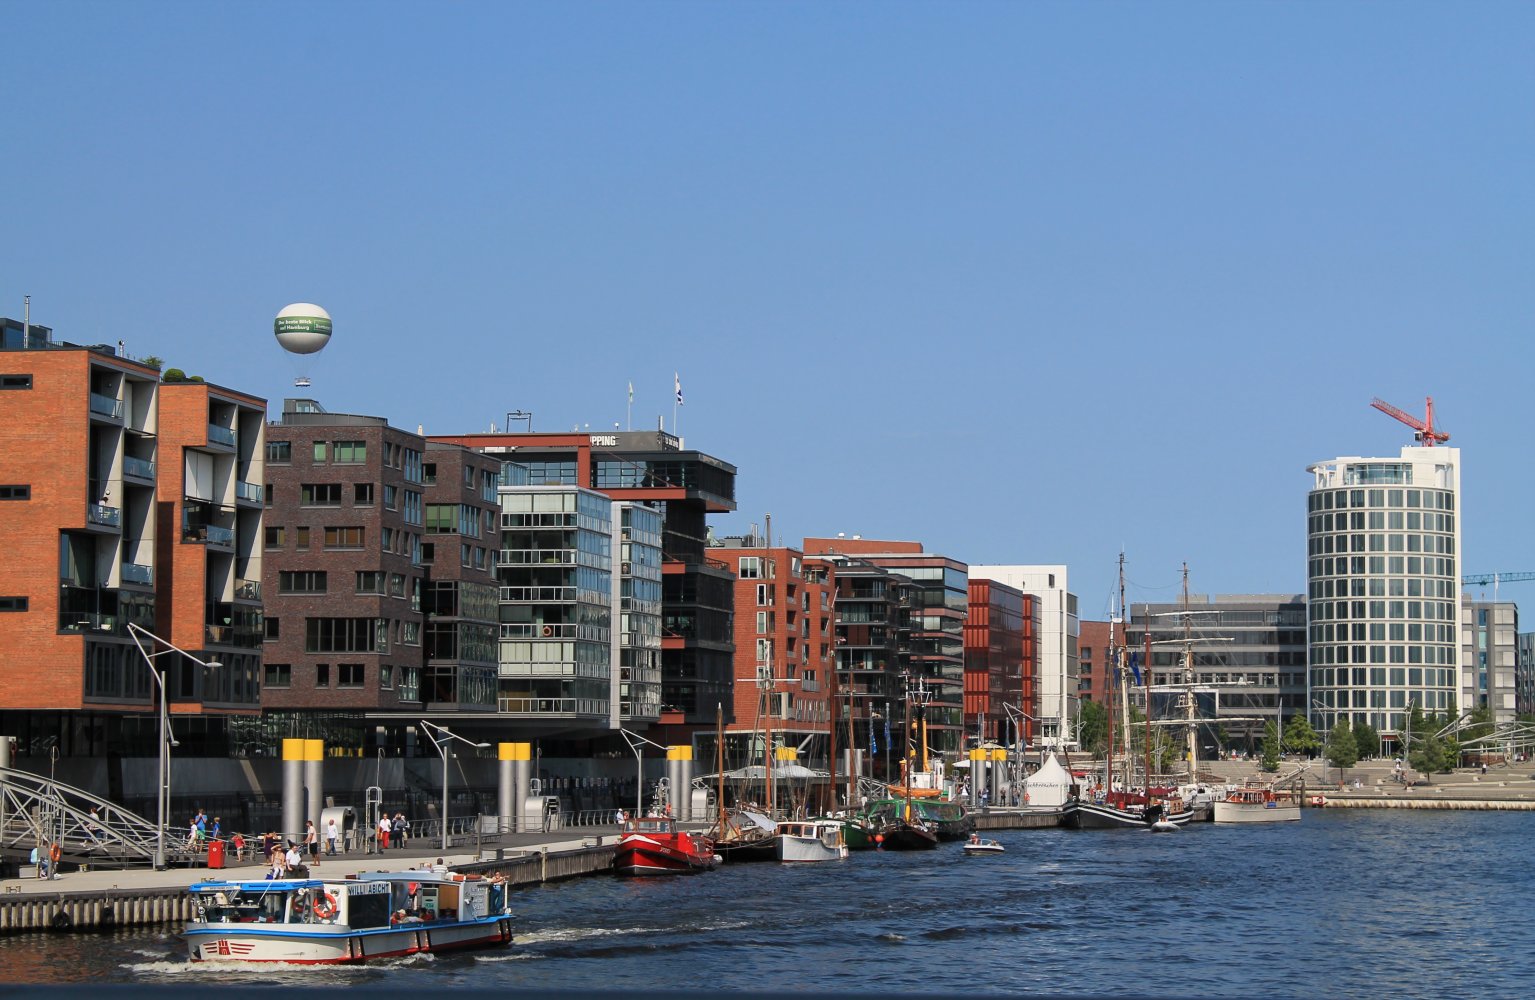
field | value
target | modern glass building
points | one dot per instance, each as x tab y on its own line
1383	579
639	686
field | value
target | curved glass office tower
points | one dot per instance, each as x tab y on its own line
1383	575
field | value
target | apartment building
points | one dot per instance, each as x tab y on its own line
1001	663
126	500
1059	667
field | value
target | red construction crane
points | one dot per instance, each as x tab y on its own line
1424	428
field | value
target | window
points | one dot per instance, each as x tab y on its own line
350	452
428	551
275	537
15	381
362	494
343	538
320	495
322	675
319	452
370	581
391	498
349	675
385	676
301	581
266	495
749	567
764	594
272	628
340	635
301	538
13	604
279	453
396	585
278	675
429	474
15	492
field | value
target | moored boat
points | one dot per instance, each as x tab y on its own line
346	921
1257	804
745	835
652	845
810	840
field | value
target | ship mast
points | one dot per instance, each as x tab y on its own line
1189	714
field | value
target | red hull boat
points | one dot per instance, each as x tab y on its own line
652	845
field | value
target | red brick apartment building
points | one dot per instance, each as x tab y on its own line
1095	650
785	657
379	577
124	499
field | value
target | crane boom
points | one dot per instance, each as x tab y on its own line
1482	579
1424	428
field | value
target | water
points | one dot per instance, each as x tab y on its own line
1344	904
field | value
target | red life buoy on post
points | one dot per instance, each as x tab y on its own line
548	631
325	906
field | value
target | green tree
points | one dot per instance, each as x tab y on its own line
1093	727
1270	759
1366	739
1342	752
153	362
1299	737
1429	756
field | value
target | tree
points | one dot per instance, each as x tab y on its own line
1366	739
1093	727
1299	737
1342	752
1430	756
1270	759
153	362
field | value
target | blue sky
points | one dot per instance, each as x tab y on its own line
1030	282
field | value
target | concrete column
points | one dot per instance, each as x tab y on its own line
314	782
292	789
5	751
516	763
998	769
977	775
679	775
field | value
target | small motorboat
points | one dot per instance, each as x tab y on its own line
1164	826
979	845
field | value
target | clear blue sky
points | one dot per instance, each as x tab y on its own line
1030	282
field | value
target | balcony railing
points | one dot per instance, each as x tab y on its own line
551	706
139	468
248	590
101	514
221	435
106	406
538	557
219	536
76	621
137	573
248	491
531	630
549	594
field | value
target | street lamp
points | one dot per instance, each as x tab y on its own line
637	744
163	775
441	743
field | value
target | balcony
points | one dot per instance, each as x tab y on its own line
534	630
247	590
137	573
248	492
542	594
221	435
538	557
83	622
106	406
138	468
107	517
214	535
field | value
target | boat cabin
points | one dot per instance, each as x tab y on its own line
368	900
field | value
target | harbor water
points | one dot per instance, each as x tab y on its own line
1346	903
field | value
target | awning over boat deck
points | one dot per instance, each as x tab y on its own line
756	772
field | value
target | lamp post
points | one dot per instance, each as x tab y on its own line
441	737
163	775
637	744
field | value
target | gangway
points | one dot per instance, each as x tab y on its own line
36	811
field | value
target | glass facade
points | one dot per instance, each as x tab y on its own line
640	611
1383	594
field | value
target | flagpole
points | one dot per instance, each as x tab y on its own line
676	402
629	413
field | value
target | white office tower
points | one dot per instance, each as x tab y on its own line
1383	575
1059	663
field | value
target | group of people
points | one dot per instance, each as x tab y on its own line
395	830
46	858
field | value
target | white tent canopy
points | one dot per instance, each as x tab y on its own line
1049	786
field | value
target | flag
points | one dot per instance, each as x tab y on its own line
1135	667
677	382
631	392
887	729
873	742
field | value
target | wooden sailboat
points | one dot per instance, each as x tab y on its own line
897	825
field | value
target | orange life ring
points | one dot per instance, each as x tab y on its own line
325	906
54	852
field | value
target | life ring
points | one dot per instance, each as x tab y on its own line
1319	801
54	853
325	906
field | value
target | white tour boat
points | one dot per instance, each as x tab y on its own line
978	845
332	921
1260	804
810	840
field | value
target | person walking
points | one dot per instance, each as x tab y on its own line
332	836
399	830
384	826
312	842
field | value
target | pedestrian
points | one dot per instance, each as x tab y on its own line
200	825
399	831
278	862
332	835
440	867
312	842
294	860
93	828
238	843
619	817
40	861
384	826
192	835
216	829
